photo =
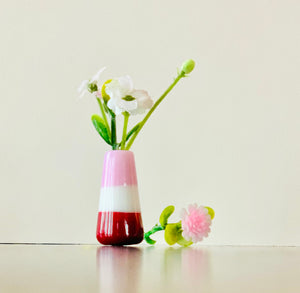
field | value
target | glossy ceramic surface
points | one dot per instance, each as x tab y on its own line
119	216
117	228
147	269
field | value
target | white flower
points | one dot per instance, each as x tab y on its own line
84	86
82	89
96	77
123	97
144	101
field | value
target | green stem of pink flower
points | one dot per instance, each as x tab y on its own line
147	235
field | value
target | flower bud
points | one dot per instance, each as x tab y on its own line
187	66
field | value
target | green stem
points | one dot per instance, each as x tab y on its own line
113	132
180	75
155	229
126	117
104	116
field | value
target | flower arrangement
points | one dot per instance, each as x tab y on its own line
117	96
192	228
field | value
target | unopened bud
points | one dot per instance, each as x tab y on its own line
187	66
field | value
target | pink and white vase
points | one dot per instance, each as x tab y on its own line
119	216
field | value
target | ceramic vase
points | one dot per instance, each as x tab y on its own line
119	214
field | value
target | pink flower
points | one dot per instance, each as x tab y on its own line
195	223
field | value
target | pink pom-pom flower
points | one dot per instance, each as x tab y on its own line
195	223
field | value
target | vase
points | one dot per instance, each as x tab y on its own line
119	214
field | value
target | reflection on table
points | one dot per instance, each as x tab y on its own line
135	269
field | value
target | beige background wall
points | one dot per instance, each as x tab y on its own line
227	137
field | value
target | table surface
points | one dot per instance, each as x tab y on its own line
92	268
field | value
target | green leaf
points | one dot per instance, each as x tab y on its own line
101	128
128	98
183	242
166	213
172	233
211	212
132	131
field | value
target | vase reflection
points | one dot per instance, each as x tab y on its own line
153	268
119	268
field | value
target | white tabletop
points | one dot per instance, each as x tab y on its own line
91	268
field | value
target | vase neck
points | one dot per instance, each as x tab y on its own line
119	169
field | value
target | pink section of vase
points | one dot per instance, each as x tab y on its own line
119	169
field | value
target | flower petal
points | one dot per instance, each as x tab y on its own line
113	90
113	105
126	84
195	223
83	86
143	99
127	106
183	213
83	93
96	77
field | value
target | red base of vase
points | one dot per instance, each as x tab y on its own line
119	228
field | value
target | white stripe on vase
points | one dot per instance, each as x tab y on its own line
119	199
